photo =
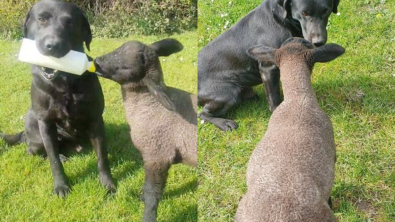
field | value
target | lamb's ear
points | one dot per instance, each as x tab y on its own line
262	53
159	94
87	33
286	4
335	4
166	47
327	52
25	23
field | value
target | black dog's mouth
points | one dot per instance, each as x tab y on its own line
48	73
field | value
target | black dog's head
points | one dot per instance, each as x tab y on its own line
137	63
57	27
293	50
312	15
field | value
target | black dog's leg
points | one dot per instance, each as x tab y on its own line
330	202
98	139
213	109
155	181
49	136
271	79
248	93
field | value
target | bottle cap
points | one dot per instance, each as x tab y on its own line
92	67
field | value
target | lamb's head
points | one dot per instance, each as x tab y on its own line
137	64
294	51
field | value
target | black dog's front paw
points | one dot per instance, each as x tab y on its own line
61	190
225	124
108	183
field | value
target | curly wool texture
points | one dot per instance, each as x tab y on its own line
291	171
159	134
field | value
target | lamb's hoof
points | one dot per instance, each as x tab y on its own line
226	125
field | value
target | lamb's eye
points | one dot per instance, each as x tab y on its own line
304	13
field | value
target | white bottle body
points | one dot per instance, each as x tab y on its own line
73	62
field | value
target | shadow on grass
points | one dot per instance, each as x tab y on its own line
191	186
191	211
360	92
121	154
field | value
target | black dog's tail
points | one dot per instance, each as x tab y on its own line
13	139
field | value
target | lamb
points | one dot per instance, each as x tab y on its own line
163	120
291	171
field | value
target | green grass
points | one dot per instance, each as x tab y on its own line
364	128
26	182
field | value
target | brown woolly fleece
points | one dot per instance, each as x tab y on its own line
291	171
163	120
162	136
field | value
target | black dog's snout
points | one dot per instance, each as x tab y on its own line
318	44
52	44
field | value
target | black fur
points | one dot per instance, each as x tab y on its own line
68	108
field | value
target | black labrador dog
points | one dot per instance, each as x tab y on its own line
226	73
65	108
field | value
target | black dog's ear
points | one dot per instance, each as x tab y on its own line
262	53
87	33
25	23
335	5
286	4
166	47
158	91
327	52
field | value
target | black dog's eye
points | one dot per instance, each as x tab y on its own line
265	64
42	20
304	13
69	22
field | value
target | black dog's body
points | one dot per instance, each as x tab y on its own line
65	108
226	74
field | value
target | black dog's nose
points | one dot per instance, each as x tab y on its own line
51	45
318	44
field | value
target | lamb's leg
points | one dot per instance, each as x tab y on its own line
155	181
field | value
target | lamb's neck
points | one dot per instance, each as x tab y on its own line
134	94
296	82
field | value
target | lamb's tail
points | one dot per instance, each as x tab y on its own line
14	139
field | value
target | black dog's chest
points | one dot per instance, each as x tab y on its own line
69	101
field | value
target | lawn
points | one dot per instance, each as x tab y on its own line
26	182
357	91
